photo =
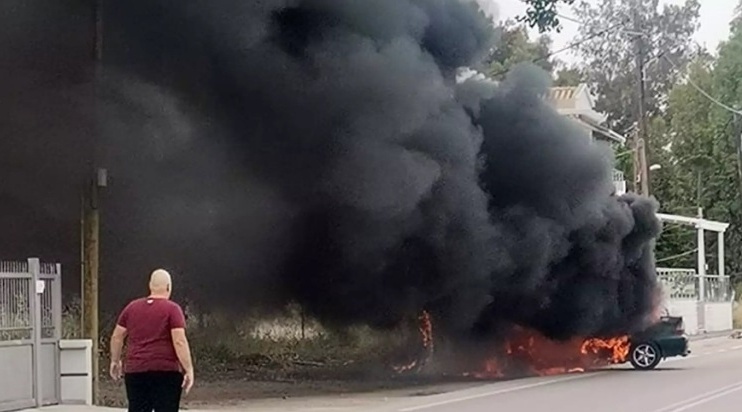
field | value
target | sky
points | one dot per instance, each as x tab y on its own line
715	16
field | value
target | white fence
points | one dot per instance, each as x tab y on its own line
709	313
30	328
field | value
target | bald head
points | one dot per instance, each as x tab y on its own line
160	283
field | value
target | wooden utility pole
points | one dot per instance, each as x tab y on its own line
90	269
98	33
737	136
90	226
641	167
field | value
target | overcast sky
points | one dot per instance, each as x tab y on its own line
715	17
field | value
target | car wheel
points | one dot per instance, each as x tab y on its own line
645	356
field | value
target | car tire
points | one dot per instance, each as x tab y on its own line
645	356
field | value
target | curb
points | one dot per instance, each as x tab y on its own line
711	335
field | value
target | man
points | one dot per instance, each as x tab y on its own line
158	365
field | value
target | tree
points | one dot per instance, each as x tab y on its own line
543	14
610	35
686	139
726	188
516	47
702	164
569	76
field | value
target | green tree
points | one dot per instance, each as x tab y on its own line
701	166
569	76
516	47
686	142
543	14
610	37
724	190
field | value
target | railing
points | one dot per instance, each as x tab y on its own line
619	182
685	284
680	283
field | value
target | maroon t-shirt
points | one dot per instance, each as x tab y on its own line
148	323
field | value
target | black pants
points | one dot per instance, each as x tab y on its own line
158	391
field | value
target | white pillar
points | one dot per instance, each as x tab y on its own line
701	264
36	289
720	243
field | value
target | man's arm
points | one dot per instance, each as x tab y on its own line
182	349
117	343
181	346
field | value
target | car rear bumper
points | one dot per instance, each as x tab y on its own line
686	352
672	346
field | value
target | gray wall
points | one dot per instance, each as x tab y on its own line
16	387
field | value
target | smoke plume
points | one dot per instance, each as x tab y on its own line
323	152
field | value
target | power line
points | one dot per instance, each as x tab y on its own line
679	255
567	47
700	89
572	19
664	54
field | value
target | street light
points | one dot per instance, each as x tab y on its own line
655	167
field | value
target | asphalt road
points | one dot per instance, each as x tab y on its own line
708	380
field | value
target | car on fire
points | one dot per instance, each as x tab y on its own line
665	339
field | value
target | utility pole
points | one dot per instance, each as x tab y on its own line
90	227
737	136
641	167
98	33
90	269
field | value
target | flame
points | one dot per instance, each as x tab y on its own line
425	328
426	331
529	353
405	368
617	348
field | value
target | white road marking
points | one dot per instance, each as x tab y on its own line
708	399
497	392
552	381
699	399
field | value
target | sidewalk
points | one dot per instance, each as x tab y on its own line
711	335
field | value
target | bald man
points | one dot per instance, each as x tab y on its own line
158	366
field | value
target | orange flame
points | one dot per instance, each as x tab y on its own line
425	327
529	353
426	331
618	348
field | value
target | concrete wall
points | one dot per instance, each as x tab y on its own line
718	316
688	309
16	381
76	372
702	317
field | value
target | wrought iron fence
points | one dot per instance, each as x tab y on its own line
16	318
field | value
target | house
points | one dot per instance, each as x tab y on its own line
578	104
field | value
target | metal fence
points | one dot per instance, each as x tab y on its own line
30	329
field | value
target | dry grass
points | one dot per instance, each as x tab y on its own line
246	358
737	315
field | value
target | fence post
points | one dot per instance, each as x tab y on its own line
57	313
34	268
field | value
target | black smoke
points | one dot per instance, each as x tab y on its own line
322	151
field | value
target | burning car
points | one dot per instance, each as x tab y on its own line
665	339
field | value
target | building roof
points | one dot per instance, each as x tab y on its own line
578	103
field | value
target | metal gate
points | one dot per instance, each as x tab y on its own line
30	329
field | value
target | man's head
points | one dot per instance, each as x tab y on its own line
160	283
